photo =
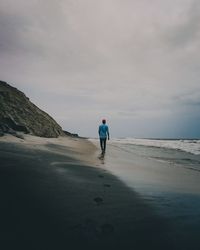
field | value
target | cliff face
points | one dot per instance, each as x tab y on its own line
17	113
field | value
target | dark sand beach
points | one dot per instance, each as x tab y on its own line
57	194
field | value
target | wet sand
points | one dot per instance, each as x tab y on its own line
56	194
172	190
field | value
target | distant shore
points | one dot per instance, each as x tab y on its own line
61	194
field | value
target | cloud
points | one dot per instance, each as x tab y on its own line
192	98
132	60
185	32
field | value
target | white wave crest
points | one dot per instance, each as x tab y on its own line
190	146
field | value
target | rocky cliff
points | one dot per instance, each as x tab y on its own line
17	113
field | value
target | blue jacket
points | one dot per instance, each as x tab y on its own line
103	131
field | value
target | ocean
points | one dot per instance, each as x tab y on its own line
184	153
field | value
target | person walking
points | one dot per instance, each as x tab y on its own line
103	135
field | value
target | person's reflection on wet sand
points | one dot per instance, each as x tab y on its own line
102	158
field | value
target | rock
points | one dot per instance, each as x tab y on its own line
19	136
70	134
18	113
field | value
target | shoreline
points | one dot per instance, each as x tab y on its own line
54	196
134	168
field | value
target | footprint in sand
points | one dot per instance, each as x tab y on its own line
107	185
98	200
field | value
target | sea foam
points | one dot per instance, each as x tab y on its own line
190	146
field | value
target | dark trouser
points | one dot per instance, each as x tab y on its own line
103	144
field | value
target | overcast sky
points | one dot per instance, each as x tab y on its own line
134	62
